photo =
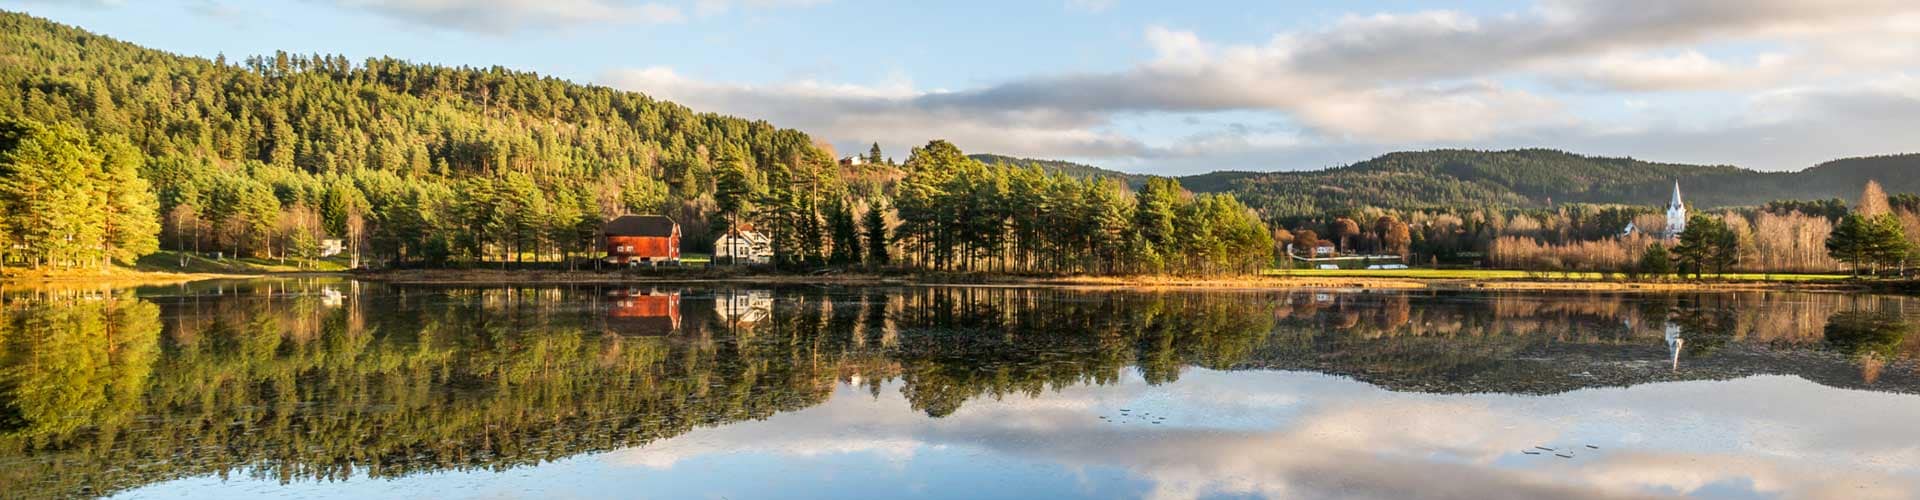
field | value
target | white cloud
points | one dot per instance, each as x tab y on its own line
1402	81
77	3
706	8
1305	435
894	113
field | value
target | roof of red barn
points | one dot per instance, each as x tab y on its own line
640	225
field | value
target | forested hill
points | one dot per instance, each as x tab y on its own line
1532	177
1061	166
381	134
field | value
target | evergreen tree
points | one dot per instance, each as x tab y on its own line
1869	242
47	182
734	192
873	155
845	234
1656	261
875	227
130	217
1706	245
1153	210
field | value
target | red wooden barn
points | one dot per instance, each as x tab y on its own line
642	239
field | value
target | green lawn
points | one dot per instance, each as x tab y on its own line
1505	274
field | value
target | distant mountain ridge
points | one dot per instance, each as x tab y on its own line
1061	166
1535	178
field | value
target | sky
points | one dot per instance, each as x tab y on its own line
1164	87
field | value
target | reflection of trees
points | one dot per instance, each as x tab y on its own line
958	344
1705	327
392	381
1867	333
464	379
68	367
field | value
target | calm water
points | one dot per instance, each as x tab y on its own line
331	388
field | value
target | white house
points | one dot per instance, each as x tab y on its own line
744	246
332	246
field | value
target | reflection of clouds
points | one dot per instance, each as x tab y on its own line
1313	436
1773	478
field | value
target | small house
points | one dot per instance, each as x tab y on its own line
633	240
744	246
332	246
853	161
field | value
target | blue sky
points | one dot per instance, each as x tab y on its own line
1164	88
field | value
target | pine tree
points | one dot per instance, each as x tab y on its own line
873	155
1706	245
47	184
1656	261
130	216
734	192
1153	211
1848	242
875	227
845	235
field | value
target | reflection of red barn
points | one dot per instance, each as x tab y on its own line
642	239
643	312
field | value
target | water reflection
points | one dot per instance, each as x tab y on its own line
293	381
649	312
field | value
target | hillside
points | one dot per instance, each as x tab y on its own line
1525	178
438	161
1061	166
1532	177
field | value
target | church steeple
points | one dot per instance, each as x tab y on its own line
1676	213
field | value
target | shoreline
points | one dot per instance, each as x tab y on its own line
114	278
130	278
500	277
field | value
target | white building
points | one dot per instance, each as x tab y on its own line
744	247
332	246
1676	214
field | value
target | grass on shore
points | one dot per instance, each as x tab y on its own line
1505	274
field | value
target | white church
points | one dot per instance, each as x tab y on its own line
1676	217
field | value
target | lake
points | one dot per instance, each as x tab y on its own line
326	387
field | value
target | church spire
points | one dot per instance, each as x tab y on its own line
1676	214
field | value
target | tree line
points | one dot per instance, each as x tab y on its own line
957	213
420	165
264	156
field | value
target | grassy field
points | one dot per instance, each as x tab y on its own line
1503	274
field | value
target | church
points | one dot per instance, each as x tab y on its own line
1676	217
1676	214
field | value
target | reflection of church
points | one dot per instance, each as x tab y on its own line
1674	343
